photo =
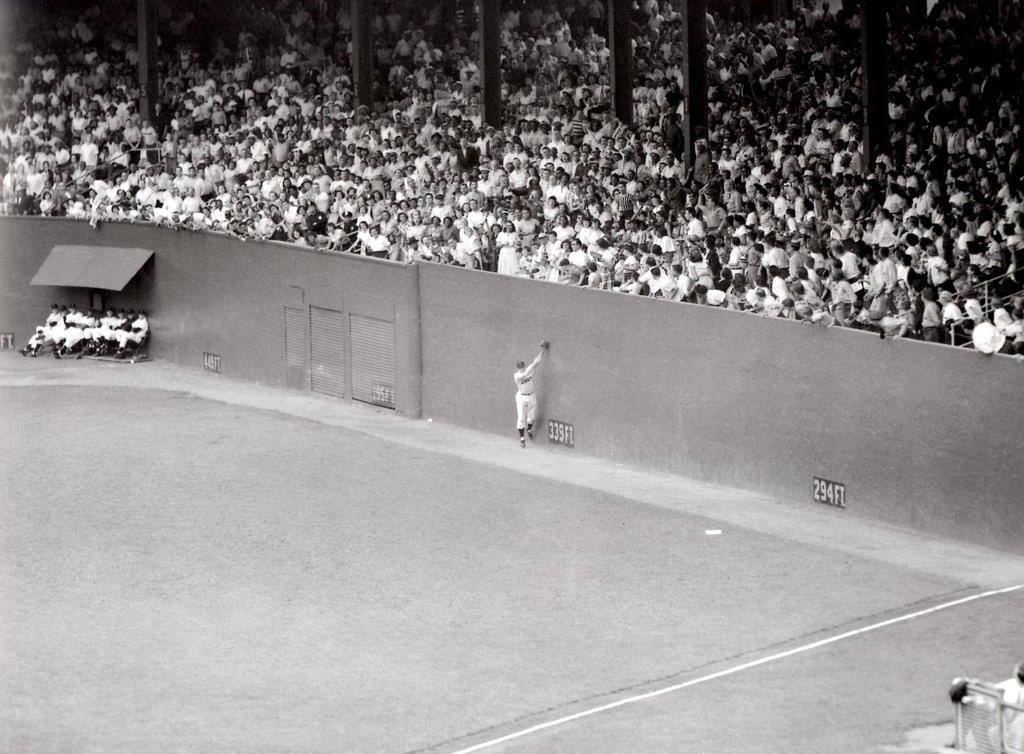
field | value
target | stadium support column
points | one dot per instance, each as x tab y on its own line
464	16
149	81
362	51
620	34
875	88
746	12
490	59
696	73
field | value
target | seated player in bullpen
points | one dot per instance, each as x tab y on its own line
100	337
52	332
132	335
103	337
74	335
35	342
55	331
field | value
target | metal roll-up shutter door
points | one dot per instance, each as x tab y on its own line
373	360
295	347
327	351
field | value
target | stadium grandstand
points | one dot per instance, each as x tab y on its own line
348	445
852	164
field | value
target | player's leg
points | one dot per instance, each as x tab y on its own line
134	341
71	343
41	346
122	343
86	344
521	418
531	414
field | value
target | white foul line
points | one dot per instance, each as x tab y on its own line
734	669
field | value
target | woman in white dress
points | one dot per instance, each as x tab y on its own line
468	249
507	241
526	225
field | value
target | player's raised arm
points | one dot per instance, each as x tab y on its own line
536	362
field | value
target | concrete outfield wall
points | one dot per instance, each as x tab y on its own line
923	436
212	293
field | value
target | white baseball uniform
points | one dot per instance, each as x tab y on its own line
105	331
73	335
37	339
140	326
526	399
89	326
55	332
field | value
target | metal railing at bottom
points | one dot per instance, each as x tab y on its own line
983	290
985	724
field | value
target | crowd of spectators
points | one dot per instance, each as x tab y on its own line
780	213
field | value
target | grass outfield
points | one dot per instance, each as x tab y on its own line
180	573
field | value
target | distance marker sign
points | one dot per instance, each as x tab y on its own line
828	492
561	433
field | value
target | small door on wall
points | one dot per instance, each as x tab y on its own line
327	351
373	360
295	339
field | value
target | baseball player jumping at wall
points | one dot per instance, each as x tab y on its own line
526	398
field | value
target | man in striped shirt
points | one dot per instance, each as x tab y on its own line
623	204
576	129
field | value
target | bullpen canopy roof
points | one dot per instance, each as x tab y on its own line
106	267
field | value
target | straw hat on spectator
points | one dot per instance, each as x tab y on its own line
823	318
987	339
972	308
716	297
